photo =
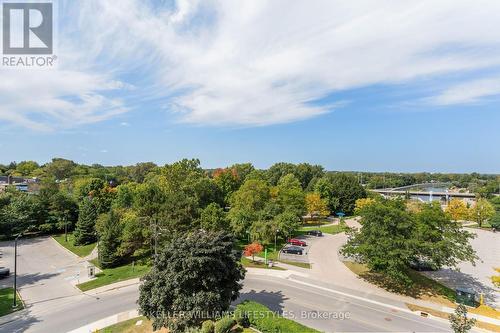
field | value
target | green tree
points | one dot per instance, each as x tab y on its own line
482	211
441	242
109	231
241	220
125	195
59	168
263	231
19	212
290	195
495	221
139	171
391	239
26	168
85	226
341	190
459	321
385	241
213	218
242	170
135	233
227	180
247	203
287	223
197	273
306	172
278	170
252	195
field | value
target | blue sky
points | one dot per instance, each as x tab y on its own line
392	86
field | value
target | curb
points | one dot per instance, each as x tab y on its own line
65	249
113	286
108	321
12	316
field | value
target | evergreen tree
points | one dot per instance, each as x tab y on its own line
85	226
109	230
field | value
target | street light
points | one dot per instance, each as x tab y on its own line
275	235
15	269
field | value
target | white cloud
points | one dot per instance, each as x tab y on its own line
124	124
468	92
103	151
248	63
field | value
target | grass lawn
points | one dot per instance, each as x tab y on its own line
485	226
112	275
130	326
329	229
423	287
298	264
81	251
263	319
258	264
6	300
444	315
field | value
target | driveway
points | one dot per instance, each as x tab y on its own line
46	273
487	246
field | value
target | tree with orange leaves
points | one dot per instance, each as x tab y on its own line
252	249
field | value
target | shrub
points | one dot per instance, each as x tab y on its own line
267	321
242	319
224	325
207	327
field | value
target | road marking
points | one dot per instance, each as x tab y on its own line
351	296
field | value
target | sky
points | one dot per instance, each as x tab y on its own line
352	85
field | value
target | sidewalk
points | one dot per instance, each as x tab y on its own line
108	321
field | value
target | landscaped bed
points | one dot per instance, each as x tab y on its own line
265	320
116	274
423	287
7	300
260	317
81	251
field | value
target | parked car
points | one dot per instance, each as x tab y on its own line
316	233
293	250
297	242
4	272
421	265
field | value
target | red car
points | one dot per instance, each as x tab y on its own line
296	242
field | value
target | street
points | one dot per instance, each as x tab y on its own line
53	304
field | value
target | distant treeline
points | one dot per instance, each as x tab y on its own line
62	169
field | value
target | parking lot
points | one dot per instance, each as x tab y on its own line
45	273
303	258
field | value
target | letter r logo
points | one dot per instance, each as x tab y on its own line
27	28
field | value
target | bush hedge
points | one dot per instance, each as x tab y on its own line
267	321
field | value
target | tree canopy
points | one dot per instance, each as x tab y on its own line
193	274
392	239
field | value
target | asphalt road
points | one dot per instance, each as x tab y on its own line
54	305
313	307
330	312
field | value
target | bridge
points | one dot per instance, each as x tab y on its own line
430	184
446	195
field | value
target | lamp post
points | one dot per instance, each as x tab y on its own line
15	270
275	236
